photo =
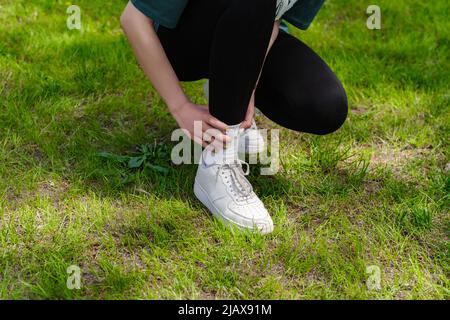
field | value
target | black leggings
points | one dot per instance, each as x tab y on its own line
226	41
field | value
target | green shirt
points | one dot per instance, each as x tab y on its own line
168	12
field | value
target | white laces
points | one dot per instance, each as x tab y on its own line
234	176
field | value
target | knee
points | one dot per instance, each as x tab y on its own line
330	109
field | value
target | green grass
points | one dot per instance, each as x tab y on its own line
374	193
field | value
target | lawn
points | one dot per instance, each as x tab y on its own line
75	107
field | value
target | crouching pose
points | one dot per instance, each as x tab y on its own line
249	61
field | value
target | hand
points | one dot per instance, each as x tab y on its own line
212	130
247	123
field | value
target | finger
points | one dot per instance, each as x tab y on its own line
210	132
200	141
216	123
206	139
218	145
210	148
197	137
207	133
246	124
210	137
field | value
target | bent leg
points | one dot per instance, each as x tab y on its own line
225	41
238	50
188	46
299	91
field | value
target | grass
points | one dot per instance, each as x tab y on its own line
374	193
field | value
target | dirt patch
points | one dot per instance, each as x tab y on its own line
396	158
447	167
359	110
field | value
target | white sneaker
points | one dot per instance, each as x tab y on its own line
251	140
226	192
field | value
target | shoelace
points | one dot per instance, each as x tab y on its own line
239	181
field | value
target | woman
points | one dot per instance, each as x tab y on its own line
238	46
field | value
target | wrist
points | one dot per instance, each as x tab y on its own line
175	109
